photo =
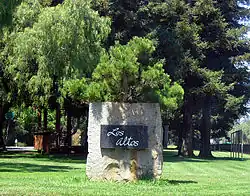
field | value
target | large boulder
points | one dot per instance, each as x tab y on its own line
131	146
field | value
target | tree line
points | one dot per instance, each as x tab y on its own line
190	56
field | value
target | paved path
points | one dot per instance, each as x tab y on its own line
20	149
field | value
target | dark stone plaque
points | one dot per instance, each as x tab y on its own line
124	136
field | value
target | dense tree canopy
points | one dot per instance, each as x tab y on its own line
64	42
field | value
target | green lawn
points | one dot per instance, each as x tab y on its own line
34	174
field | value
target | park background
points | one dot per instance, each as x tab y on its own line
192	57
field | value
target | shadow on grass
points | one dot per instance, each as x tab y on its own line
171	156
177	182
45	157
226	158
163	181
28	167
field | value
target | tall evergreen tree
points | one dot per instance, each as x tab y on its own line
220	29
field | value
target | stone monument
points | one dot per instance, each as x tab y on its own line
125	141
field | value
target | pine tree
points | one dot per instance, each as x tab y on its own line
220	29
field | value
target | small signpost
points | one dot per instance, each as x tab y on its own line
236	144
9	116
16	141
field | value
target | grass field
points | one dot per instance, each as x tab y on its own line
34	174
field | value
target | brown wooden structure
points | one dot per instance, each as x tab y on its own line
42	141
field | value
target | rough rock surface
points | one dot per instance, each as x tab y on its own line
123	164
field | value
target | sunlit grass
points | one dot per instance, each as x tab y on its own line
34	174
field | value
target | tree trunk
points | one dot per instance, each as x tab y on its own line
185	147
3	109
9	132
39	117
45	119
180	141
205	151
2	144
58	124
85	141
69	128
